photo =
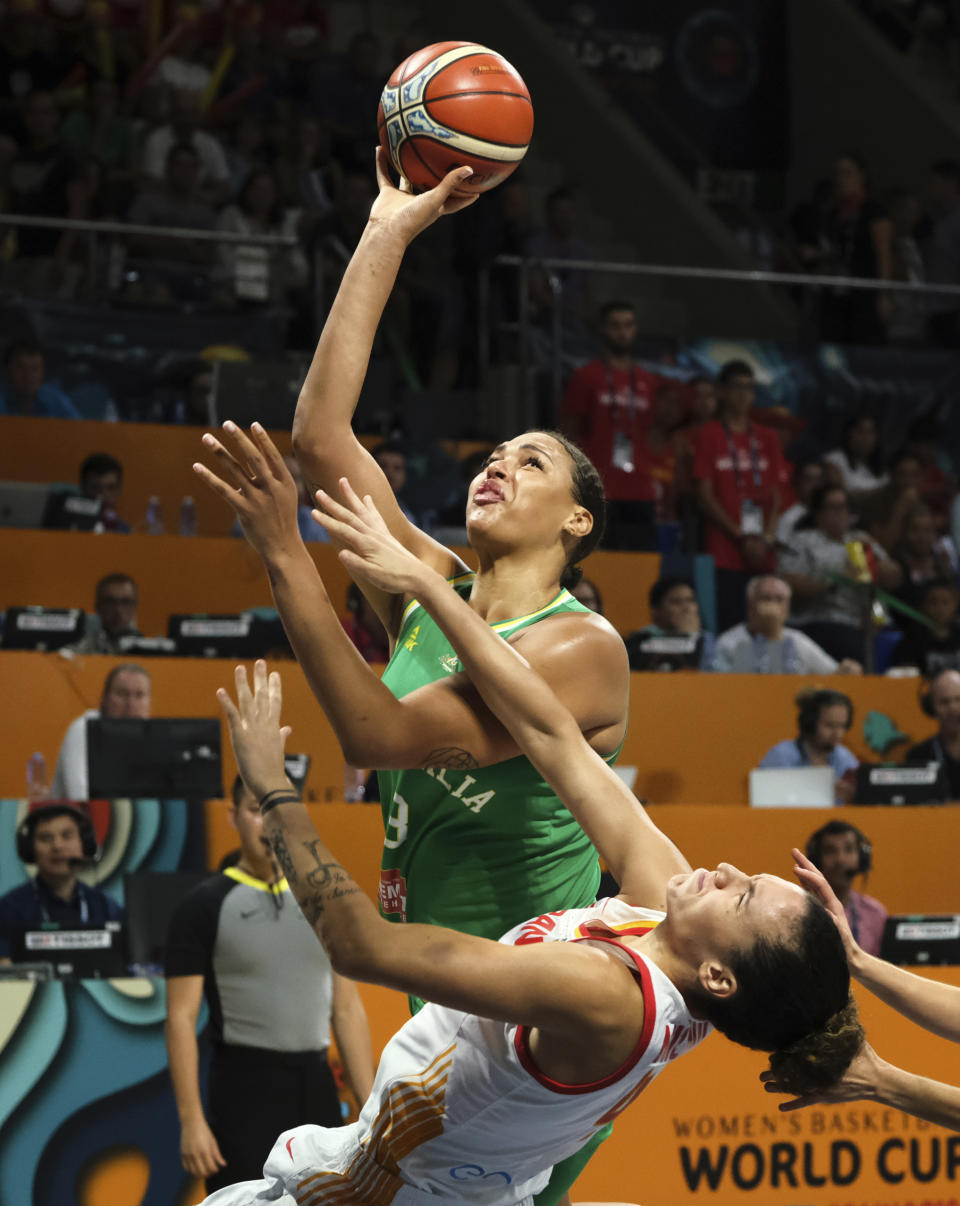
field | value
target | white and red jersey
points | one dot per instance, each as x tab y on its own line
459	1110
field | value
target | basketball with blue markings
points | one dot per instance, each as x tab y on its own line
455	104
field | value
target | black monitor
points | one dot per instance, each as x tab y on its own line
79	954
922	784
151	899
921	939
72	512
164	758
42	628
230	636
23	504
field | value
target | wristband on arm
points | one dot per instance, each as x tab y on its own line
283	795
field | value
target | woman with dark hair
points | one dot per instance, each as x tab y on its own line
452	778
820	570
530	1043
858	457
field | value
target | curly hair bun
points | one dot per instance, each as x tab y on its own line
818	1060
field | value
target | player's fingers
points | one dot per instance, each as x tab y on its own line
341	532
276	693
268	450
231	467
229	707
251	453
382	161
261	688
446	186
338	510
244	695
453	205
228	493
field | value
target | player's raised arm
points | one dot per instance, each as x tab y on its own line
639	855
323	438
575	992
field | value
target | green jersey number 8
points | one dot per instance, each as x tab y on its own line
400	821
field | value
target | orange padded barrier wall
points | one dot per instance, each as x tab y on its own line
693	737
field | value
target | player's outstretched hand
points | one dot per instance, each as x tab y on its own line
408	213
816	884
256	734
858	1083
256	483
369	551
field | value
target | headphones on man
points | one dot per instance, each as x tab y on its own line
41	812
864	848
811	704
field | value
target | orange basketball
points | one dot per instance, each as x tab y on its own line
455	104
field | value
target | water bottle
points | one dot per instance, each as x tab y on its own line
154	518
36	776
188	517
110	412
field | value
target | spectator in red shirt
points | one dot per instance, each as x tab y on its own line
607	409
739	473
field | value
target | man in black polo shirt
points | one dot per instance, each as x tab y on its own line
240	940
58	836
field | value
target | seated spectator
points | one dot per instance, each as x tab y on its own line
922	557
363	626
58	838
881	512
183	129
607	409
764	645
823	719
842	852
126	693
261	274
115	606
101	477
173	267
739	471
938	648
817	568
586	592
942	702
45	180
676	639
808	476
25	390
858	457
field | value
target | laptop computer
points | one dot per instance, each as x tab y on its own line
901	784
792	787
920	939
23	504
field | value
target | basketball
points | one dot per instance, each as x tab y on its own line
455	104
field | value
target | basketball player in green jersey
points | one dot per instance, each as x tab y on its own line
473	837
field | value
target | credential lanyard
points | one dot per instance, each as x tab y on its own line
45	915
754	459
632	391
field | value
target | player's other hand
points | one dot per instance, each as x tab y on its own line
858	1083
256	734
816	884
369	552
199	1151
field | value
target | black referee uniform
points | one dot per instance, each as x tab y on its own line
269	987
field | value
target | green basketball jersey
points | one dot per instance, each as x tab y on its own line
481	849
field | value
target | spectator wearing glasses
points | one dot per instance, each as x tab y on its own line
827	605
116	616
764	644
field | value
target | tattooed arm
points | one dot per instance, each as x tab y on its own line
581	997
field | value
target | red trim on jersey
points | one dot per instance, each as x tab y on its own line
521	1040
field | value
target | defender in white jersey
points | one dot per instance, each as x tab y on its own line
460	1108
536	1040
